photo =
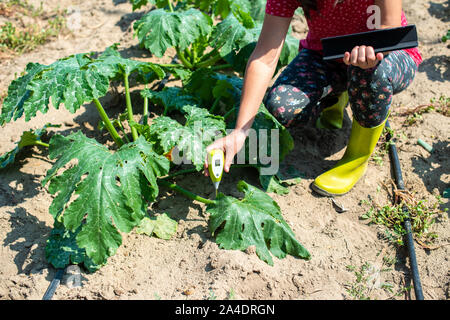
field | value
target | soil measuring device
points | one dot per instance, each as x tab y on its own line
216	162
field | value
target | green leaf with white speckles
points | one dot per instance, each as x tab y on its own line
192	138
160	30
71	81
255	220
112	189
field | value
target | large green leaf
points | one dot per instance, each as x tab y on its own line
264	120
159	30
171	98
271	183
70	81
229	36
264	154
255	220
263	124
258	10
223	8
208	85
18	93
112	189
192	138
28	138
112	65
239	58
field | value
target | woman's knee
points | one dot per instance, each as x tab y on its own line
370	94
286	103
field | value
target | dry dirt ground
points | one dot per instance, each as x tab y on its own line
190	265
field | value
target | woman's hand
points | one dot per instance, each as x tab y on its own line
363	57
230	145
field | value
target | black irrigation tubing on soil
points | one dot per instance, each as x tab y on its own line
54	284
407	222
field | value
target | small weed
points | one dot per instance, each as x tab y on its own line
421	213
212	295
368	278
16	37
10	7
446	37
359	288
440	105
383	146
231	294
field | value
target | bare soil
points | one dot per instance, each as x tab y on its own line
191	265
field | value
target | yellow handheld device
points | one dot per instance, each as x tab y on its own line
216	162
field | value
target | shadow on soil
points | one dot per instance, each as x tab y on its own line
26	231
440	11
313	146
437	68
433	168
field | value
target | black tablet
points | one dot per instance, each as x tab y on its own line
381	40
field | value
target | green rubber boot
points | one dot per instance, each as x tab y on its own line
347	172
332	117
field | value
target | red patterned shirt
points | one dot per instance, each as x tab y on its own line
346	17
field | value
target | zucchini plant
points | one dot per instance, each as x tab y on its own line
101	192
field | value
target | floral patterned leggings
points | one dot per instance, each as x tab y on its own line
309	84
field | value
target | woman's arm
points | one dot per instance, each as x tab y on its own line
391	17
261	67
391	13
258	74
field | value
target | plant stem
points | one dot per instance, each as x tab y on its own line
214	106
108	123
194	55
172	65
129	107
179	173
193	170
170	5
183	59
189	54
222	66
229	113
119	123
40	143
216	57
185	192
145	112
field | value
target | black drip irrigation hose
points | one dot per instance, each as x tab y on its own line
54	284
407	222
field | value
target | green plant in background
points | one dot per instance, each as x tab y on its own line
188	27
24	38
